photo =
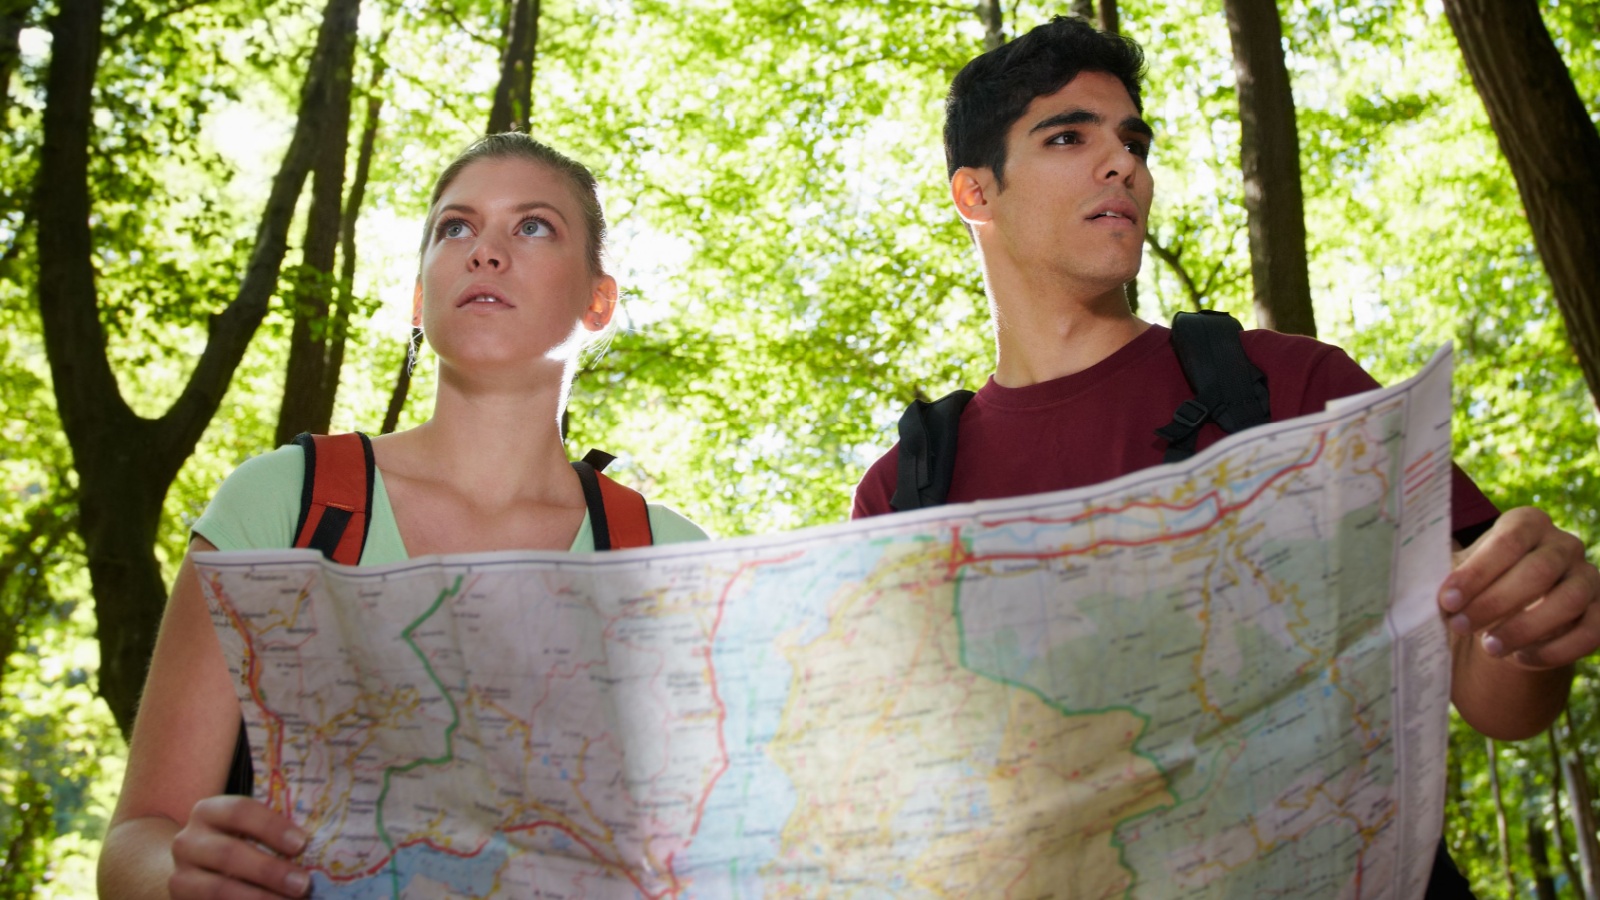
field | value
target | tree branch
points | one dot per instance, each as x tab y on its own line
1174	261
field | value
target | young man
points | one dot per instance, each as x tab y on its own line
1047	160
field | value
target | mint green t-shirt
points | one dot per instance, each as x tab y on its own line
258	506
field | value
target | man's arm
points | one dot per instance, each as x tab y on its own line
1522	607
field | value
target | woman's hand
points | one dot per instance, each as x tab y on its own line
226	851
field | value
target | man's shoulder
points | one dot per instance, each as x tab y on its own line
876	488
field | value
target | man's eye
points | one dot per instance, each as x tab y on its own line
1065	137
1140	149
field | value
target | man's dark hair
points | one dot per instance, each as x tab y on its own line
992	92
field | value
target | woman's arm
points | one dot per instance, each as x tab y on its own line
170	835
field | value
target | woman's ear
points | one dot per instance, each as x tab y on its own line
602	304
416	304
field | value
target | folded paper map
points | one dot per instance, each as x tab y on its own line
1222	678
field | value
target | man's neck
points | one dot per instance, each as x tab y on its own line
1047	336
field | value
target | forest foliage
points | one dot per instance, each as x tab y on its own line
792	273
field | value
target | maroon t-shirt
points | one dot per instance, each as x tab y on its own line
1100	423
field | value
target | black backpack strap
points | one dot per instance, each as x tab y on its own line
927	455
1228	388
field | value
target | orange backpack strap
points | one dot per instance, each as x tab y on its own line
618	515
337	495
334	500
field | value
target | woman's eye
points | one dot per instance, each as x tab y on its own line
535	228
452	228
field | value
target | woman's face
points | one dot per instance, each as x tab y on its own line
505	275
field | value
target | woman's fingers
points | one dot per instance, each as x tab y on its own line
219	853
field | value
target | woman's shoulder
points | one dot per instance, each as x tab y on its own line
668	526
258	505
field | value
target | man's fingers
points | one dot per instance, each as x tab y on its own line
1524	581
1511	566
1516	532
1558	612
1575	644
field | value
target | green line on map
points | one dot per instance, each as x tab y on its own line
449	731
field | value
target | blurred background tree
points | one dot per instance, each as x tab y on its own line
208	229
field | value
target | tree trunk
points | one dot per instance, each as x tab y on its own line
1270	157
402	383
500	119
1109	20
309	384
1554	150
24	590
513	96
1502	828
1544	884
1110	23
125	463
347	226
1558	785
13	15
1580	797
1083	9
994	23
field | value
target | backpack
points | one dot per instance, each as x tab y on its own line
1229	390
336	496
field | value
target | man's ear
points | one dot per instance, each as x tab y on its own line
969	190
602	304
416	304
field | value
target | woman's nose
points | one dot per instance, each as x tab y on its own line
485	255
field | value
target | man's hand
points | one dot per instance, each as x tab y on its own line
1526	589
1523	605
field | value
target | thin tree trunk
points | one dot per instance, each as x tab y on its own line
994	23
308	389
513	96
1558	785
1502	828
1538	846
24	589
1551	143
34	821
347	226
402	383
1083	9
1270	157
1580	798
1109	20
13	15
512	85
1110	23
125	462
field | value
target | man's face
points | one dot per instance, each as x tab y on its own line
1077	185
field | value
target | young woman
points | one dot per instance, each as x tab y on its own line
510	288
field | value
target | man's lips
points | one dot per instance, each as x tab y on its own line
1115	210
483	295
